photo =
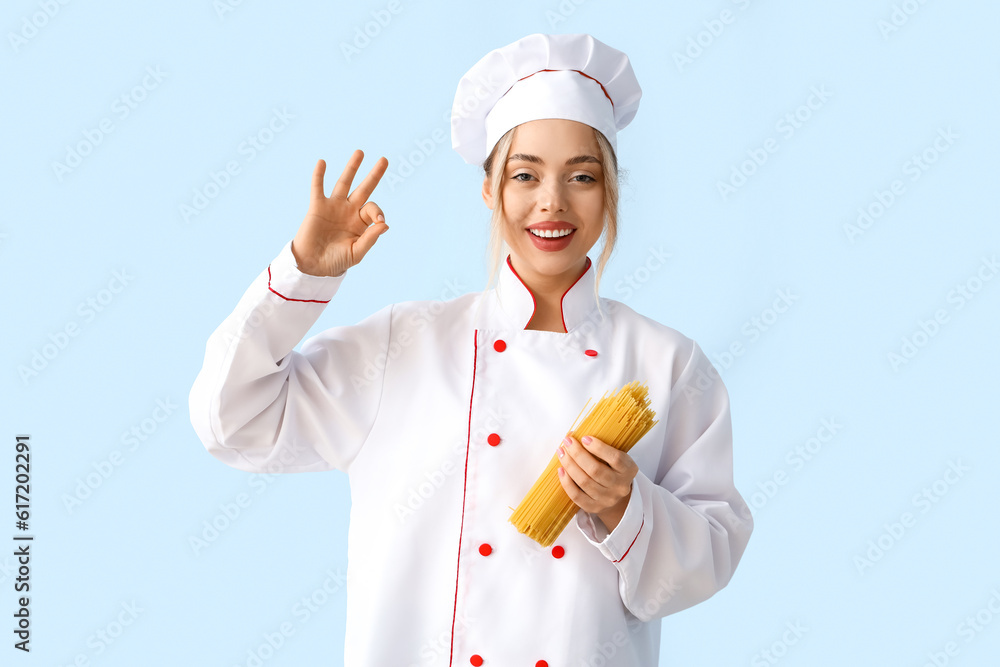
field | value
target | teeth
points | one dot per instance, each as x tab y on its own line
550	233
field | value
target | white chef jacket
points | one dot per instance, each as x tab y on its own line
443	414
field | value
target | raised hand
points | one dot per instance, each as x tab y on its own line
339	230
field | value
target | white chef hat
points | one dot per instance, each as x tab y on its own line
575	77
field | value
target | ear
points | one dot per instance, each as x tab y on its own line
487	194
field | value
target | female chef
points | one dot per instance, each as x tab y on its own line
443	414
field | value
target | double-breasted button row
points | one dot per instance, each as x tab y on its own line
485	549
477	660
500	345
557	551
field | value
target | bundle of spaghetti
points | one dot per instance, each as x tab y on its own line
620	421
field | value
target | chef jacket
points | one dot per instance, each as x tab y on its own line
443	414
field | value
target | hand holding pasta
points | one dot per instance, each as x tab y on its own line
620	421
598	477
339	230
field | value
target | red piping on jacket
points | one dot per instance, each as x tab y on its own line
285	297
633	540
534	304
468	440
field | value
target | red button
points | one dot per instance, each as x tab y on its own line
499	346
493	439
590	353
541	663
558	552
485	549
476	660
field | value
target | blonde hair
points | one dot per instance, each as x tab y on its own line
497	246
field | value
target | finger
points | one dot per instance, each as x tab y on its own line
370	213
578	473
367	240
575	493
367	186
347	176
612	456
317	182
594	467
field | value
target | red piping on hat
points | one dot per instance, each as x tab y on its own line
568	70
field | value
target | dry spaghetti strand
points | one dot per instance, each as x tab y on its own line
619	420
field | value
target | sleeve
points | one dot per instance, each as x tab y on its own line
683	533
260	406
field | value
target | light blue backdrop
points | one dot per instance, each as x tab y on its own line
823	177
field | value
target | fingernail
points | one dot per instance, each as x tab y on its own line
561	472
585	439
381	218
559	451
566	440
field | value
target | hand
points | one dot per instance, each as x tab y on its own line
339	230
598	478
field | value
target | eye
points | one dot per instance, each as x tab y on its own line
523	180
587	176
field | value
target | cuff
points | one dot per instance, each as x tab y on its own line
285	280
615	546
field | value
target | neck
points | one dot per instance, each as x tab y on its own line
548	291
548	287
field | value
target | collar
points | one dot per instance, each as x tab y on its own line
518	303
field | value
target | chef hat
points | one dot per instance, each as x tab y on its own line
574	77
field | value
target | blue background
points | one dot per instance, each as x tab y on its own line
830	555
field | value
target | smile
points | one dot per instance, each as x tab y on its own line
551	233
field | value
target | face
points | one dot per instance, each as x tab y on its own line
553	184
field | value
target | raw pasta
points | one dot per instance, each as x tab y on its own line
620	420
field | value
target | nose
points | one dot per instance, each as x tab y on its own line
552	197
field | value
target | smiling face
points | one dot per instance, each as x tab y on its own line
553	184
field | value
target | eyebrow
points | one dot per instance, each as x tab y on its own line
537	160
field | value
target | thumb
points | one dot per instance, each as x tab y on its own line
367	240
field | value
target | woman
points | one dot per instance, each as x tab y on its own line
443	414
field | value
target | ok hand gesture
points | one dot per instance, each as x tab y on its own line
339	230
